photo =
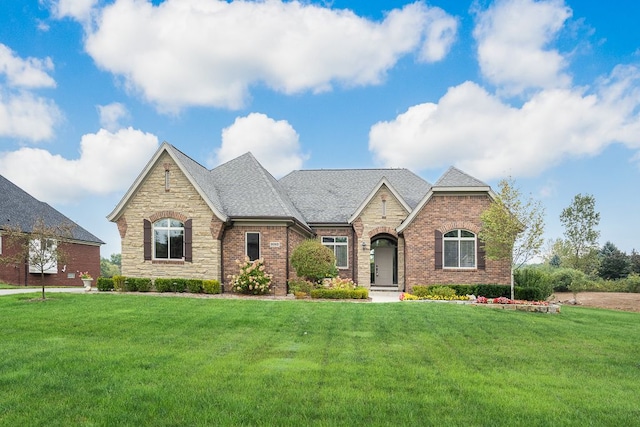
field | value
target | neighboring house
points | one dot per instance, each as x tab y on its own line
20	210
388	228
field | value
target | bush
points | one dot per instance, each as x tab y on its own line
104	283
536	282
331	293
211	286
252	278
436	290
304	286
632	282
133	284
562	278
171	285
463	289
118	283
313	261
194	286
493	291
340	283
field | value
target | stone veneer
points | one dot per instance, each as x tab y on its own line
370	223
152	201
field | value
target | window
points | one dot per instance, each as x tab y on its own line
167	181
43	256
459	249
252	242
339	247
384	208
168	239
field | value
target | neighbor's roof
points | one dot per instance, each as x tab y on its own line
19	209
333	195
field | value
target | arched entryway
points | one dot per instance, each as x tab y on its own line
384	261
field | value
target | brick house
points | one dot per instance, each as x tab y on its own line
388	228
20	210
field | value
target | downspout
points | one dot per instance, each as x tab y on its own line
286	281
404	261
354	254
224	228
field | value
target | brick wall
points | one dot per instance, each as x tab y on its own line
345	273
445	213
151	201
80	258
273	250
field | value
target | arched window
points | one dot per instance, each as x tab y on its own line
459	249
168	239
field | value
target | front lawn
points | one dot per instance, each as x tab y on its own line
142	360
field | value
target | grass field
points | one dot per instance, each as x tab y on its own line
141	360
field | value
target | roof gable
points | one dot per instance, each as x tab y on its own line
19	209
247	190
334	195
455	178
383	183
197	175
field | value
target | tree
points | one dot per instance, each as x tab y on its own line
634	260
313	261
512	229
580	220
108	268
614	264
42	249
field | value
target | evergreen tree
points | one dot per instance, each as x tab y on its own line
614	264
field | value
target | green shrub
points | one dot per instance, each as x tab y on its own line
562	278
118	283
134	284
536	282
194	286
493	291
313	261
422	291
104	283
211	286
252	278
463	289
171	285
332	293
301	286
632	282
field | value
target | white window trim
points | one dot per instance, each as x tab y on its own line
168	228
460	239
334	244
246	243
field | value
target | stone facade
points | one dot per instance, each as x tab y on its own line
180	200
375	220
447	212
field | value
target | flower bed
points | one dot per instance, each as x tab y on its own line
498	303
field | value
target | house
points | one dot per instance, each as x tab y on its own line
388	228
19	210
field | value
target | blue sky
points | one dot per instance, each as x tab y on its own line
546	92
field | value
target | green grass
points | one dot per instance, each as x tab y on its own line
141	360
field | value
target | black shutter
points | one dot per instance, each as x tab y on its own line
481	256
147	240
188	255
438	250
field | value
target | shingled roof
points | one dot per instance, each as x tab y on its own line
19	209
333	195
243	189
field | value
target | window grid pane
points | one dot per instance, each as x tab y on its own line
253	246
451	253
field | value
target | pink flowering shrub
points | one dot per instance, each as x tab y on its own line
252	278
340	283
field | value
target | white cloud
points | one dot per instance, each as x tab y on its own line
274	143
209	53
108	162
24	115
25	73
79	10
513	38
488	138
111	114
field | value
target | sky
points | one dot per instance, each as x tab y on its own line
544	92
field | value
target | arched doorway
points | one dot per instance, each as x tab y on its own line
384	261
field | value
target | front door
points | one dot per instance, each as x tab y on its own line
383	265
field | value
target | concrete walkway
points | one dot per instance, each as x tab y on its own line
384	296
376	296
78	290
